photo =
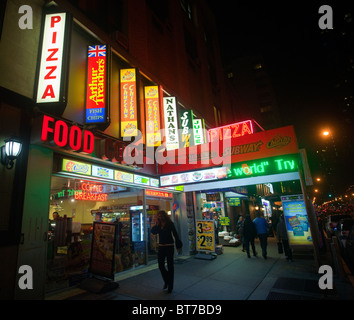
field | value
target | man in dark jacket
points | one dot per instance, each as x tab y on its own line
282	235
249	233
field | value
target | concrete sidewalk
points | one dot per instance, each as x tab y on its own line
231	276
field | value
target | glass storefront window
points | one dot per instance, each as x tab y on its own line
74	206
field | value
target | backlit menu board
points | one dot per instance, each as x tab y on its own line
193	177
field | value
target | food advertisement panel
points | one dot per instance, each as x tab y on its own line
205	235
152	114
193	177
297	223
103	249
128	93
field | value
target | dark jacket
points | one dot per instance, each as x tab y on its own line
282	233
249	229
165	234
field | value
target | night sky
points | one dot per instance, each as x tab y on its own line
303	65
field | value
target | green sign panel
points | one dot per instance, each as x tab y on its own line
263	167
234	202
186	126
224	221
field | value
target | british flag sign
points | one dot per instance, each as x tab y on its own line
97	51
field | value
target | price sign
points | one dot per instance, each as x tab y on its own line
205	235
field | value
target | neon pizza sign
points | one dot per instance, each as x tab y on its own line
235	130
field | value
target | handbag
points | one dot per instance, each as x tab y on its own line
280	248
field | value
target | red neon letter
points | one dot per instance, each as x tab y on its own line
45	127
89	142
54	20
75	137
64	136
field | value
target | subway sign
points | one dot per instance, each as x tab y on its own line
263	167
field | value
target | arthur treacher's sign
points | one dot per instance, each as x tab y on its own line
171	123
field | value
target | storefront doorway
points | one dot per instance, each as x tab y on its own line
75	204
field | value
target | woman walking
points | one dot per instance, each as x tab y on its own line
168	237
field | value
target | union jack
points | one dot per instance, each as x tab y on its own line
97	51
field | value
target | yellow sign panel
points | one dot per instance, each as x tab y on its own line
205	235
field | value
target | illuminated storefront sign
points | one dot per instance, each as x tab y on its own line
91	192
262	167
96	84
76	167
49	88
259	145
194	177
152	112
102	172
123	176
186	127
141	180
160	194
235	130
154	182
171	124
234	202
297	223
198	131
129	117
65	136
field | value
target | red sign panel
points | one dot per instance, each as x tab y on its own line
259	145
161	194
235	130
96	85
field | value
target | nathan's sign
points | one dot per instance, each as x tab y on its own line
51	70
235	130
96	84
259	145
171	123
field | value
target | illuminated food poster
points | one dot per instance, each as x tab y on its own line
296	218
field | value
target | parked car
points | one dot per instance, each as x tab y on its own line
342	230
332	221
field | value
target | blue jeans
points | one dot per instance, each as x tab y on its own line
263	241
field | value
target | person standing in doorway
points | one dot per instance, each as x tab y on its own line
282	235
168	237
262	232
249	233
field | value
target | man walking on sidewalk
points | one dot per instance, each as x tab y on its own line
262	232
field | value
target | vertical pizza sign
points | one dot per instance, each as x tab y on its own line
96	84
50	73
152	112
129	117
